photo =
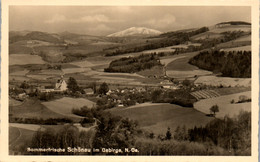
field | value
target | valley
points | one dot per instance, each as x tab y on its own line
159	80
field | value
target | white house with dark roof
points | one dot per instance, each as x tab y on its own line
61	85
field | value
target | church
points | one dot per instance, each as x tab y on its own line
61	85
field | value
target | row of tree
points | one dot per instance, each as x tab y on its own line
167	39
133	64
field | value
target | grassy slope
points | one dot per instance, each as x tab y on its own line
34	109
65	105
225	107
157	118
182	64
17	141
232	90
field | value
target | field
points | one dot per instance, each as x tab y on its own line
244	39
233	44
204	94
180	67
158	117
33	109
224	103
23	59
13	102
231	90
18	137
242	48
181	64
159	50
206	35
65	105
74	70
19	49
187	74
215	32
224	81
19	73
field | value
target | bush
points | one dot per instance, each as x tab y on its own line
183	102
46	96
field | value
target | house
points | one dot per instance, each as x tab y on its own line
89	91
61	85
166	82
22	96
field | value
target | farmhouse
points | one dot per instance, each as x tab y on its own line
89	91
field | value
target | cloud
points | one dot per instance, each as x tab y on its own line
92	19
95	18
56	18
166	21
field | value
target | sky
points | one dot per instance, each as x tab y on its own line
104	20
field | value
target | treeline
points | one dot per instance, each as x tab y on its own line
167	39
235	23
69	57
185	34
133	64
233	134
180	97
228	136
49	121
230	64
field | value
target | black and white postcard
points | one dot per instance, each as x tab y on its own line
129	81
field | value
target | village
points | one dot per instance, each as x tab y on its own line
26	90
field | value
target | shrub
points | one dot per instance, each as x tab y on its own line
183	102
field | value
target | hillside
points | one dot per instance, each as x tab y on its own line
34	35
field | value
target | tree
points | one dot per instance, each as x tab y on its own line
214	109
103	89
168	134
156	95
94	87
114	132
73	85
186	82
24	85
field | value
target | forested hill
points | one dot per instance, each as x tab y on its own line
235	64
235	23
133	64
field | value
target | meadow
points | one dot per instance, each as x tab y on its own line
33	109
18	138
223	81
241	48
65	105
157	118
23	59
225	105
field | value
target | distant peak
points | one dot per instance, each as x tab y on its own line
135	31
